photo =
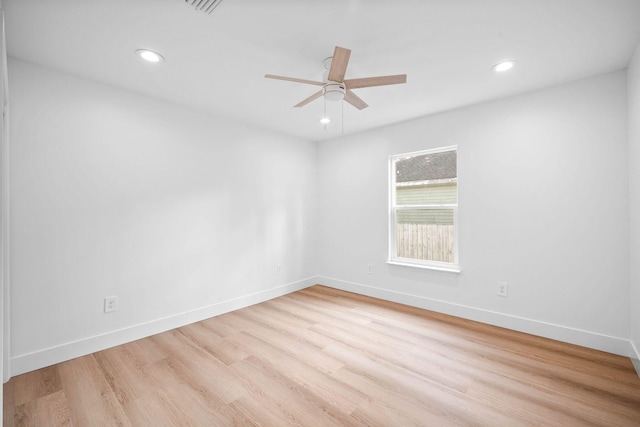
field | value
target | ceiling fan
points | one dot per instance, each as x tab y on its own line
336	88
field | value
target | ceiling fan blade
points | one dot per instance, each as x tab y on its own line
355	100
339	63
305	101
376	81
293	79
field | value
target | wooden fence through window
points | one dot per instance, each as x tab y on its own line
433	242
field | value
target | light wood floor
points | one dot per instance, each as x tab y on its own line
322	357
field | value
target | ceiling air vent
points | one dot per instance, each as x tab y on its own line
206	6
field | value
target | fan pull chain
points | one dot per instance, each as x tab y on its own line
342	118
324	113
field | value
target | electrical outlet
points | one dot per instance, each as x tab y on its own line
503	289
110	304
278	269
370	269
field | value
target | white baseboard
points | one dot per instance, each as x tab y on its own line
610	344
60	353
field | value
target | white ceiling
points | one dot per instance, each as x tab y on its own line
217	62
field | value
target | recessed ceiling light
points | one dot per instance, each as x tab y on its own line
503	66
149	55
325	120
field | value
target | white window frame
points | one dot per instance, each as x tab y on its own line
393	208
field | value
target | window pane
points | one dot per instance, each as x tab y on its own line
434	194
426	234
427	179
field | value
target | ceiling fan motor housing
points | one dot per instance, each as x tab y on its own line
334	91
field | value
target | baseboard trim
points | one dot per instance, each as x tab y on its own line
61	353
610	344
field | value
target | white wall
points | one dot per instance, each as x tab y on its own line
180	214
633	81
543	197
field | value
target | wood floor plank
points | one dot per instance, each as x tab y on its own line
198	368
326	357
91	399
181	384
9	404
407	390
49	410
218	347
298	404
36	384
262	413
174	407
125	369
328	389
291	341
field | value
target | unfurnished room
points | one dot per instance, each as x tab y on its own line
329	213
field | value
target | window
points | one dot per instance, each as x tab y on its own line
423	213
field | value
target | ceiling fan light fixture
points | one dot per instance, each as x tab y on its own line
334	91
503	66
149	55
334	88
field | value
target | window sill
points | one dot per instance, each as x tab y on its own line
454	270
